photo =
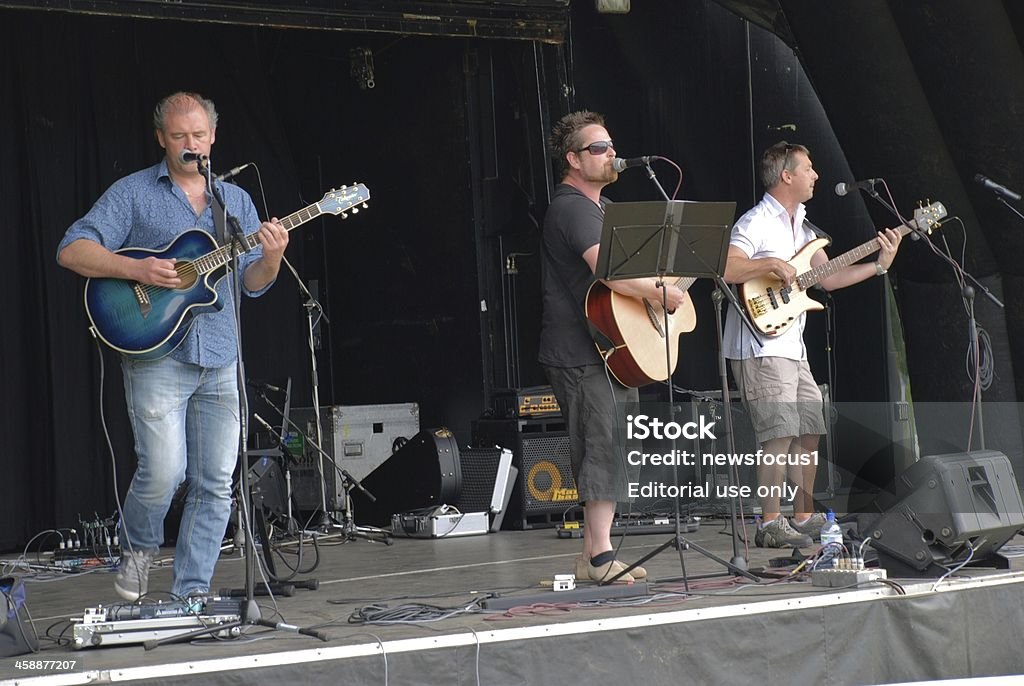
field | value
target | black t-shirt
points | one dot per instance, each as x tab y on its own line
571	226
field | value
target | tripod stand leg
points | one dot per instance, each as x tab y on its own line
639	562
188	636
684	543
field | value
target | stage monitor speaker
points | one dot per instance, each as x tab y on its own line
544	489
425	472
946	510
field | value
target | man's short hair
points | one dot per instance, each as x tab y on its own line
182	101
565	136
775	159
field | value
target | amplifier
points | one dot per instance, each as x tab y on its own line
544	489
532	401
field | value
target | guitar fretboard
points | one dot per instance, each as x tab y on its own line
222	255
837	264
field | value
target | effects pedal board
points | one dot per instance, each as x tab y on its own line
635	526
139	623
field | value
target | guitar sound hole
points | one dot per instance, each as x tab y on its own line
187	274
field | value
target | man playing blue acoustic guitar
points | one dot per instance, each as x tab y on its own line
183	407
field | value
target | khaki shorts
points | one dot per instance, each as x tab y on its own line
781	397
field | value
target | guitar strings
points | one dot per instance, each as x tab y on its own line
219	256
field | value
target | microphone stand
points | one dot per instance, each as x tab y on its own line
966	291
314	310
348	526
249	610
278	586
738	564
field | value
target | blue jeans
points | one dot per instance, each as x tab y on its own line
185	420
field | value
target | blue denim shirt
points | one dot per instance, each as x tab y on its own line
146	210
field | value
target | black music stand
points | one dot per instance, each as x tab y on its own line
677	238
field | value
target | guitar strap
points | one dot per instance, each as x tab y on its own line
817	231
218	221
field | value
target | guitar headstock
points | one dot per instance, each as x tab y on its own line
342	200
927	217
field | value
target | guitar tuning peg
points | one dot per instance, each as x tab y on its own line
344	215
365	206
355	210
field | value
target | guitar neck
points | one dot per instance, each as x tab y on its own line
222	255
837	264
685	282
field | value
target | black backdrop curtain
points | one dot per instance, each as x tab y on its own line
71	127
398	279
400	282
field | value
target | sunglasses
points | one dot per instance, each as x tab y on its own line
597	148
785	160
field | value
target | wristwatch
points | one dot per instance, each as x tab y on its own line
879	269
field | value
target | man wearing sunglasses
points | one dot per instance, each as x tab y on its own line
781	396
588	398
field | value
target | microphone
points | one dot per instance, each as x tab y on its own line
844	188
621	164
232	173
188	156
262	386
266	425
996	188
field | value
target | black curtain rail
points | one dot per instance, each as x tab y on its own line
536	20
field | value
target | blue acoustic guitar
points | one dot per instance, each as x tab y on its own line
148	322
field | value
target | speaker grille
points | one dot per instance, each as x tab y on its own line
547	475
479	472
544	489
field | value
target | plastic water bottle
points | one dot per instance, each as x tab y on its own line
832	538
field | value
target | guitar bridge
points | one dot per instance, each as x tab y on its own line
757	306
145	306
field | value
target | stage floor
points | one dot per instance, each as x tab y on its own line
725	631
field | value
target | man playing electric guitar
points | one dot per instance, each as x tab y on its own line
183	407
774	379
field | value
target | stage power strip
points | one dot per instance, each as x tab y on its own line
845	578
77	559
